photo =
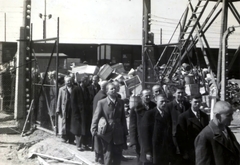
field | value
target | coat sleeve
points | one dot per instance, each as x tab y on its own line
95	119
203	151
147	132
59	103
181	134
133	128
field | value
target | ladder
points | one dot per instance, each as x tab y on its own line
186	39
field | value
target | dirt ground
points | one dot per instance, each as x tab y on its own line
17	150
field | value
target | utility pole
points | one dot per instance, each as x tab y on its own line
148	60
5	27
44	16
23	67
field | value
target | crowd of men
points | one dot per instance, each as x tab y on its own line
162	131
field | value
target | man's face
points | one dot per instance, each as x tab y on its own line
156	91
111	90
179	94
195	104
95	80
226	118
68	82
146	97
161	102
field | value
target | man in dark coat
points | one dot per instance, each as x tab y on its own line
111	109
81	114
64	110
190	124
216	143
175	108
94	87
98	148
137	111
146	99
157	144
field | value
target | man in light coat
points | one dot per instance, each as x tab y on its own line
64	110
111	109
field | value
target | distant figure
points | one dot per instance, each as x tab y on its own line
190	124
216	144
111	109
94	87
64	110
157	144
156	90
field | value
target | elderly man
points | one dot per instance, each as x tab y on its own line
94	87
216	144
190	124
156	90
157	144
64	110
146	99
81	114
137	111
111	109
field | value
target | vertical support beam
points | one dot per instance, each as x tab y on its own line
5	27
57	64
20	91
223	29
225	63
145	37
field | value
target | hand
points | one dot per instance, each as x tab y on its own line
185	156
149	157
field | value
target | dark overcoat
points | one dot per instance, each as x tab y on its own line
174	109
93	90
135	121
115	116
98	148
189	126
157	137
213	148
79	111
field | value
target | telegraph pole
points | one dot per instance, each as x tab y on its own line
23	67
44	16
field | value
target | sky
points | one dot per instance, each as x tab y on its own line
104	21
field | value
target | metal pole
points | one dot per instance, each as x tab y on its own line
160	36
57	63
5	27
223	29
225	62
44	20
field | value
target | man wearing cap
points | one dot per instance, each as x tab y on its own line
216	144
